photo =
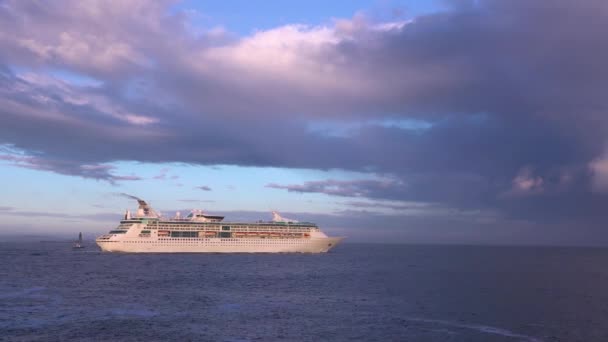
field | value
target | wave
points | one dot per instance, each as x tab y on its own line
477	327
23	293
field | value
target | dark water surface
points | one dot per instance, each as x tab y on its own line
356	292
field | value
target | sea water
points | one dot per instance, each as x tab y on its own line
361	292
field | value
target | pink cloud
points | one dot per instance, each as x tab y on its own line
526	183
599	174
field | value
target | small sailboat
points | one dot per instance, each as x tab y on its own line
78	244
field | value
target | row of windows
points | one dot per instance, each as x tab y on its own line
229	239
215	226
250	229
184	234
225	235
230	242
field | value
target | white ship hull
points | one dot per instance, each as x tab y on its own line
147	232
218	245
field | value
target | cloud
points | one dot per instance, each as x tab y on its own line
67	167
203	187
77	35
501	86
397	206
162	174
526	184
599	174
9	211
355	188
196	201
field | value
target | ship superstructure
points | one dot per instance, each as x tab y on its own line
198	232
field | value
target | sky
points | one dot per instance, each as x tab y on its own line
475	122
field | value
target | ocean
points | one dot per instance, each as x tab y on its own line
357	292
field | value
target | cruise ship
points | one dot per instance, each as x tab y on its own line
148	232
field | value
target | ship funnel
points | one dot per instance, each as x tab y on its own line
144	210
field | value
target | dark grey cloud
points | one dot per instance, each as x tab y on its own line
512	91
386	205
203	187
68	167
384	189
